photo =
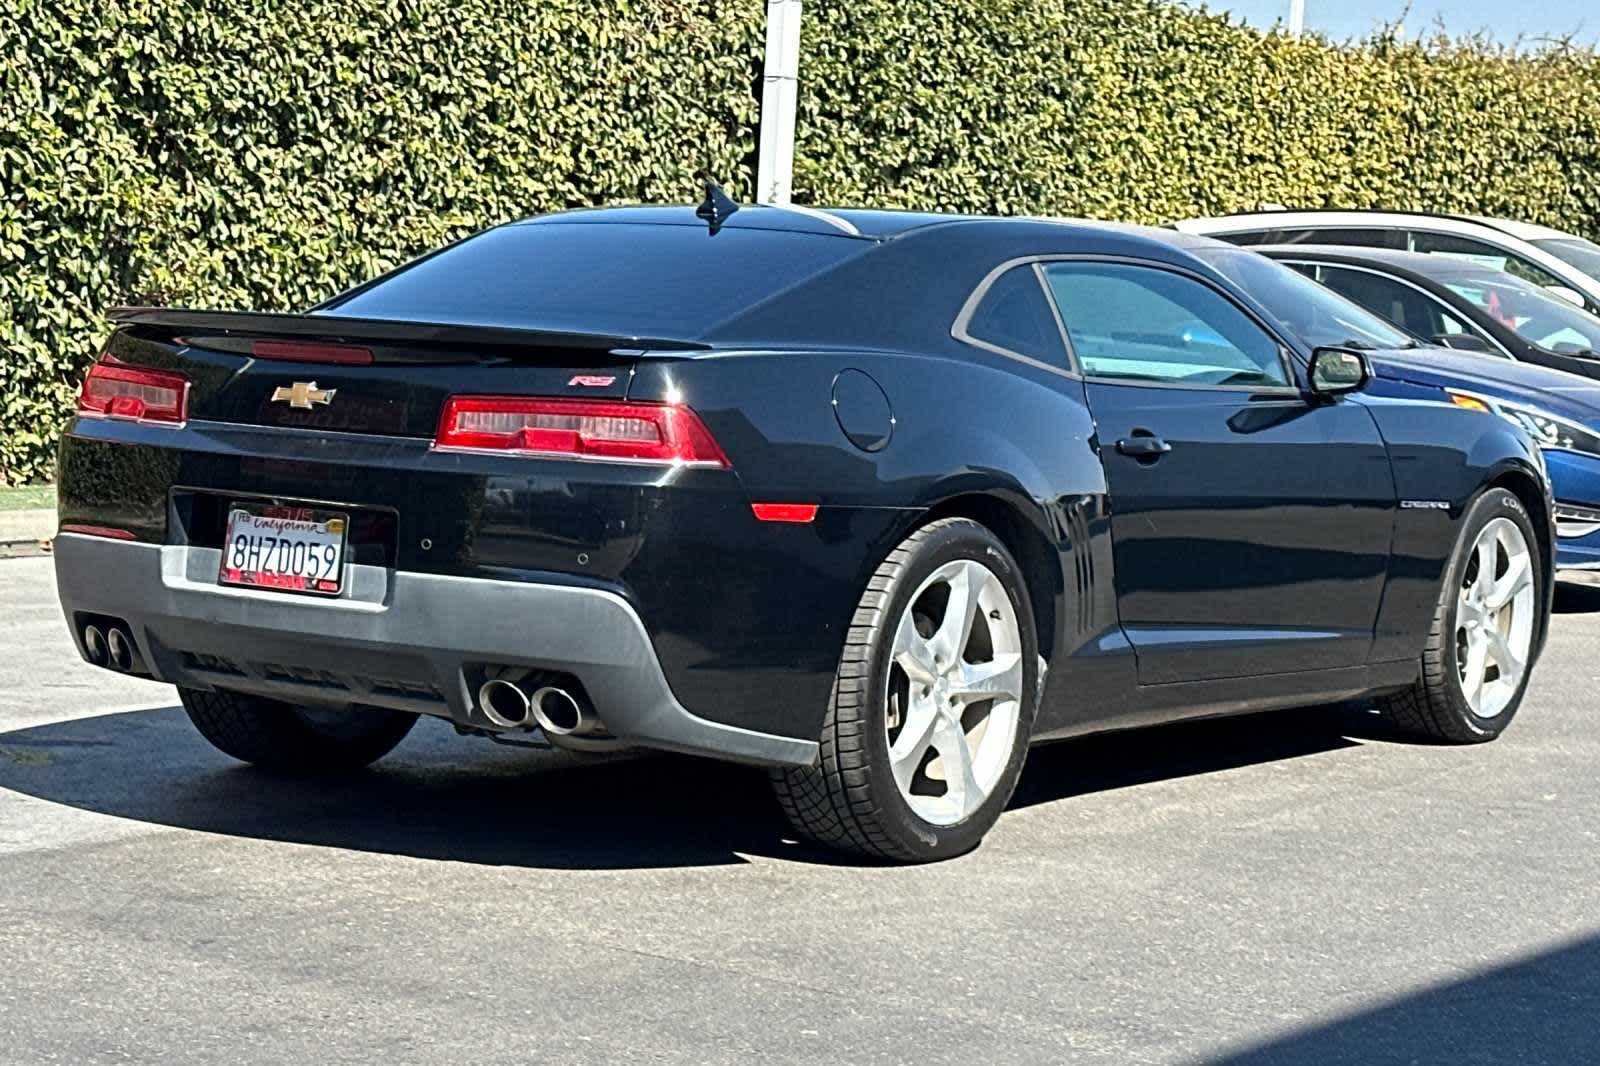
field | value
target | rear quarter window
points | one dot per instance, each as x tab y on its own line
1015	314
616	278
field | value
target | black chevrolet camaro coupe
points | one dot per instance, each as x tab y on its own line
872	499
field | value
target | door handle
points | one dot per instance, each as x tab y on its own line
1143	447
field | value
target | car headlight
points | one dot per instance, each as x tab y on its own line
1545	429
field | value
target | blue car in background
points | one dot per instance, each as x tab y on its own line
1559	411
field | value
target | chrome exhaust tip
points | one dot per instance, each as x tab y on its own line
94	646
559	713
120	652
504	704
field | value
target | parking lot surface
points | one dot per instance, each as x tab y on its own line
1298	888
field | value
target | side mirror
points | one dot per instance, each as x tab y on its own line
1572	296
1336	371
1464	342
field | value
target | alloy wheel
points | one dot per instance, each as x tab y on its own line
1495	618
954	694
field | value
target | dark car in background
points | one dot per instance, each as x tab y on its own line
873	500
1563	263
1456	303
1534	344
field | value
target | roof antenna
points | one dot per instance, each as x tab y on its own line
717	207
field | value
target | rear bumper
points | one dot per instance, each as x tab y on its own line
408	641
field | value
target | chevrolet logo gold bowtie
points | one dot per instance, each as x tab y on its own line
303	394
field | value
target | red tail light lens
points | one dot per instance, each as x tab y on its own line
113	390
594	429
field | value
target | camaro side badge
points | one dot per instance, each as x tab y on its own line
1425	505
303	394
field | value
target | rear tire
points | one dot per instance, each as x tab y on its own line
280	736
1464	695
922	747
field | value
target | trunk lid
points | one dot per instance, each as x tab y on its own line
355	375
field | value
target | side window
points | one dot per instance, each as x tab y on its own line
1247	237
1146	324
1401	304
1482	253
1362	238
1015	315
1344	235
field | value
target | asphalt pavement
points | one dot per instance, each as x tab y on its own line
1299	888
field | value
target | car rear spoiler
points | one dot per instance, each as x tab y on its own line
245	326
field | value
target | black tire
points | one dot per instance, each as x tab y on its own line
279	736
850	800
1434	707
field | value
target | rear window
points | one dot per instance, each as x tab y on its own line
615	278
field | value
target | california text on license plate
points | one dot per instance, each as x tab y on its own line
295	549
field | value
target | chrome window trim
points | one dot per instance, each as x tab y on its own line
958	329
1286	357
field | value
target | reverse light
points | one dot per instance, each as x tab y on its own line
669	434
115	390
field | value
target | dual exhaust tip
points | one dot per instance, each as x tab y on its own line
111	647
553	709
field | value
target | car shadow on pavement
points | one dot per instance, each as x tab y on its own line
1109	761
1538	1009
439	796
1575	598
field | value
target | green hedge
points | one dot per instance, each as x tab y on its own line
247	153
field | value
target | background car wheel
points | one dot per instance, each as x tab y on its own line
281	736
932	707
1475	664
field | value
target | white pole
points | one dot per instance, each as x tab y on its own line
779	94
1297	17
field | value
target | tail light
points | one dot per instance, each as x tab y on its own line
592	429
114	390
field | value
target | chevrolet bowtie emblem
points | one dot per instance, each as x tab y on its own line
303	394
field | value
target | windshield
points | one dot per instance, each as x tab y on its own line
1585	255
1319	317
1530	312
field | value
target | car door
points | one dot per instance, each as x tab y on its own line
1250	525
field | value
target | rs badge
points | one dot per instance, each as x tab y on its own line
303	395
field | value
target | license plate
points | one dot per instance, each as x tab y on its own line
292	549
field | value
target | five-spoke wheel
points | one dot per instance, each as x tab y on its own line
954	691
933	704
1495	616
1474	667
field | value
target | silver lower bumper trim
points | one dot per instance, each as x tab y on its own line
395	639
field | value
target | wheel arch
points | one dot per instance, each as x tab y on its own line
1530	490
1020	527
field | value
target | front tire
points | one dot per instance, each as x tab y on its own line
1476	663
932	706
280	736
